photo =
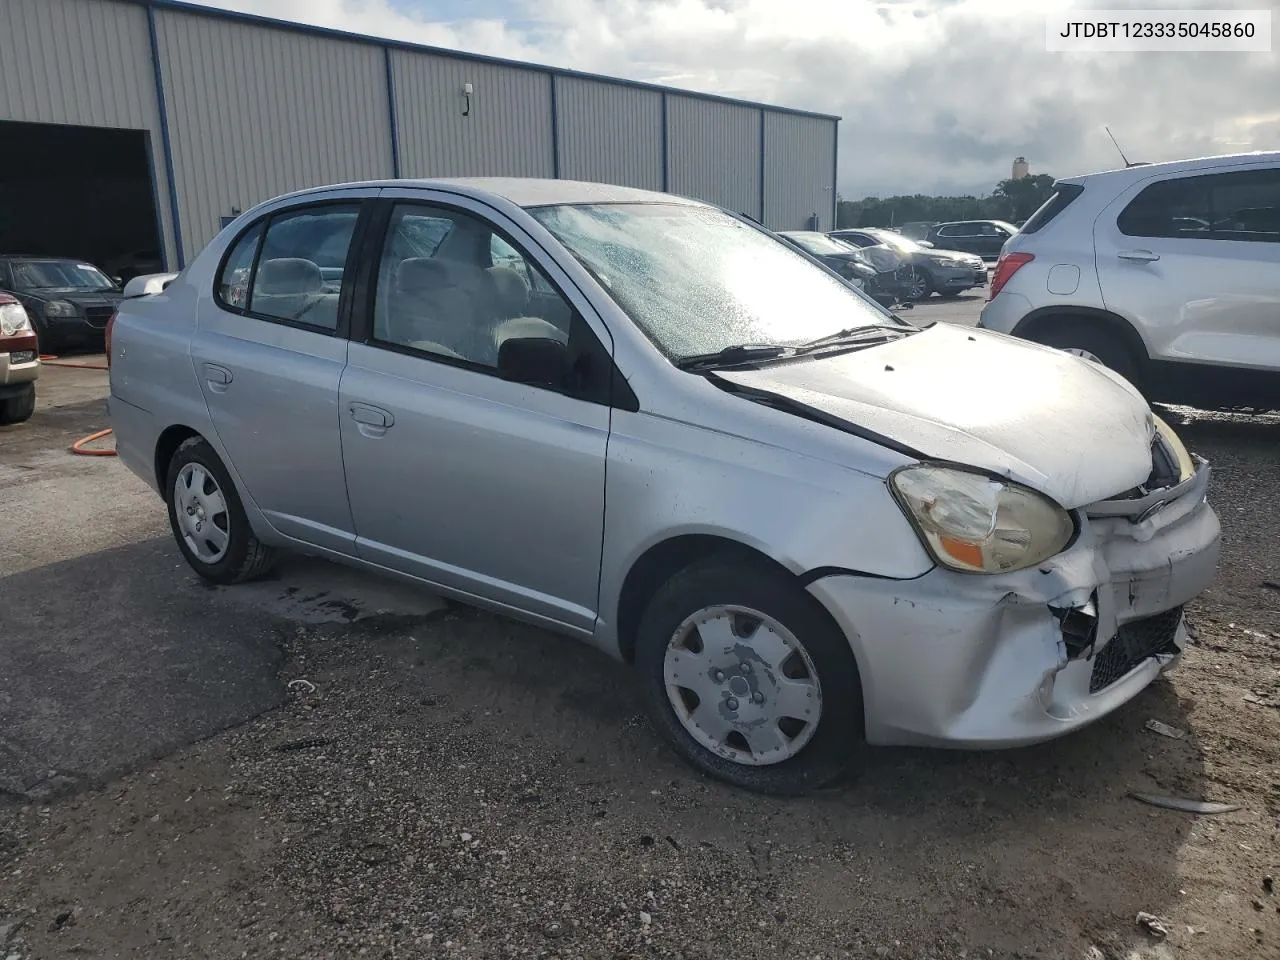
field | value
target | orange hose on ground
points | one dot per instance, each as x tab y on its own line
52	360
78	446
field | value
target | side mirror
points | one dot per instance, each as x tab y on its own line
925	243
539	361
117	281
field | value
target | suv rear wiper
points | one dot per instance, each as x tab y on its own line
733	356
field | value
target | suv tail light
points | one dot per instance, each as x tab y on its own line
1006	267
107	335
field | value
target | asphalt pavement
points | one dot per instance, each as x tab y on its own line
112	652
452	783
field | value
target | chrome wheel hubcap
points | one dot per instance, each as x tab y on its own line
203	521
742	685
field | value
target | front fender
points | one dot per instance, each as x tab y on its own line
668	480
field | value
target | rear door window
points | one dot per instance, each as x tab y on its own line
1241	206
293	269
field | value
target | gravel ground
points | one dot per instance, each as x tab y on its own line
450	784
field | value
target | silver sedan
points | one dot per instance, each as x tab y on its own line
650	424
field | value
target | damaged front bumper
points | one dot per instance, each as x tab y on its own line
966	660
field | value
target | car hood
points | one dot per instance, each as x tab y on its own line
952	255
104	298
1067	427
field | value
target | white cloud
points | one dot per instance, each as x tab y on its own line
936	95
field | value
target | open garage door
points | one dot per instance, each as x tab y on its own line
83	192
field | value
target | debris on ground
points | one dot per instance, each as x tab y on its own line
1185	804
1173	733
1153	925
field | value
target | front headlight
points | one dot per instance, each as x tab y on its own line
977	524
59	308
1182	458
13	319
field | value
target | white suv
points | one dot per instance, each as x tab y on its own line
1167	273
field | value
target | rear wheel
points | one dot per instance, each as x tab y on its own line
1094	342
749	678
208	520
19	408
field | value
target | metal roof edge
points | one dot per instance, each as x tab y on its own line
219	13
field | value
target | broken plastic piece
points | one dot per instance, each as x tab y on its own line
1185	804
1153	925
1173	733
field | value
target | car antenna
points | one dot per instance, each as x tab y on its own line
1119	151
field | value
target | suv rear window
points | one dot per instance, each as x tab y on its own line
1061	198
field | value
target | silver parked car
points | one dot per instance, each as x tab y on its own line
650	424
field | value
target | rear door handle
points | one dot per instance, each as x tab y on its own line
1142	256
217	377
373	421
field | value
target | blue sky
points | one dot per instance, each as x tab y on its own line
936	95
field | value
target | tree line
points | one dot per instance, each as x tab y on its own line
1012	200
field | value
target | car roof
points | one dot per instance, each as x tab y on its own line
40	256
522	191
1142	171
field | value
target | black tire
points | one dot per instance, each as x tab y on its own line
920	286
18	409
1109	347
246	557
836	742
49	343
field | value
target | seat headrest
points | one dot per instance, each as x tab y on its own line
289	275
512	290
423	275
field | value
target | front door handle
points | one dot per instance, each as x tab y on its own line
217	377
373	421
1142	256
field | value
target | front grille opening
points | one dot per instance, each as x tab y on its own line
1164	473
98	316
1133	643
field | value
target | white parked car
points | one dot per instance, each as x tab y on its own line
1168	273
652	425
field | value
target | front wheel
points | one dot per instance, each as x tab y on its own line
749	678
918	286
19	408
208	520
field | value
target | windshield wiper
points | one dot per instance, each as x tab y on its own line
732	356
864	334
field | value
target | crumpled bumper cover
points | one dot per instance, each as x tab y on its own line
965	660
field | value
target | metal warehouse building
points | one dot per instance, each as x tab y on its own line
135	127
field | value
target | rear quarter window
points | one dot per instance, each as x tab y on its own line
1064	194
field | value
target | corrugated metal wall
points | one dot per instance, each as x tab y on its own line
84	62
609	133
713	152
254	113
256	110
799	171
506	134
